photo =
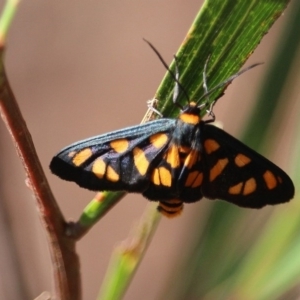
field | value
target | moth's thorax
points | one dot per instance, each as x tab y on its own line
188	129
190	114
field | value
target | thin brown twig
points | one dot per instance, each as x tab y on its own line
62	248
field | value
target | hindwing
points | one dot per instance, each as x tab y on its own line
238	174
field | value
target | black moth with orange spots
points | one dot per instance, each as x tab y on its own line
175	161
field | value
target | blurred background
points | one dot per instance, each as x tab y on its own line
64	60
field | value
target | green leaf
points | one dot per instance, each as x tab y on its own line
227	32
6	19
127	256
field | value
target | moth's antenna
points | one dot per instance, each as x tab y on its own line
229	80
174	76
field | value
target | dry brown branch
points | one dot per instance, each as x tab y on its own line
62	248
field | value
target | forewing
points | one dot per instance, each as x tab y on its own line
120	160
238	174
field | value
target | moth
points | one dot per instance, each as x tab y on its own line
175	161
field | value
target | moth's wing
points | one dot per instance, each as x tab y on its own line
191	177
238	174
120	160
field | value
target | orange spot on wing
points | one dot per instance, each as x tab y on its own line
191	159
270	180
211	146
111	174
191	178
172	157
198	180
194	179
250	186
120	145
161	176
140	161
99	168
155	177
158	140
241	160
81	156
165	176
218	168
235	189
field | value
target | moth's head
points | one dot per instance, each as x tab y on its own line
192	108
